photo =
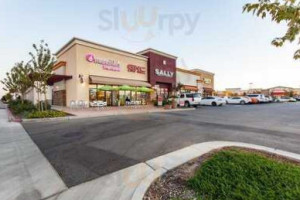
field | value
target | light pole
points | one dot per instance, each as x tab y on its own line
250	87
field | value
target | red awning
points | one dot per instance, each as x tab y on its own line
56	78
278	92
208	90
190	87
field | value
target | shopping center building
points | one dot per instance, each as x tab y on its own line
190	81
86	71
196	80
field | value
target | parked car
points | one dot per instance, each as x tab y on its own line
189	99
212	101
257	98
285	99
238	100
292	99
269	99
249	99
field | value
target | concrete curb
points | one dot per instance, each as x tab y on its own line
167	162
146	183
67	118
11	117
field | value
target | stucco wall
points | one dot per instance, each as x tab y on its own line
32	95
208	77
156	62
61	85
78	65
69	56
186	79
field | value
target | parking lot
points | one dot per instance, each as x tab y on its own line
84	149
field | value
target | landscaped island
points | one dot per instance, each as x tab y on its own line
232	174
26	109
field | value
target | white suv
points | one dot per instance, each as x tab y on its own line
189	99
259	97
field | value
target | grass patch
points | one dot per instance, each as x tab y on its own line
46	114
240	175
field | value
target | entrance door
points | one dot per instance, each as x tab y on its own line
115	98
108	98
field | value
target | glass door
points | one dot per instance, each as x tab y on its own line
115	98
108	97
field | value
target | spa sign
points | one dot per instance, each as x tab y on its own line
136	69
110	65
161	72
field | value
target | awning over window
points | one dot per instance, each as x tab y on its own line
56	78
117	81
278	92
190	87
207	90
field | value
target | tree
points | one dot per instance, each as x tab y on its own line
24	82
6	98
178	87
18	81
42	62
10	82
280	11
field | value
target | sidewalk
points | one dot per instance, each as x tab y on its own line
131	183
77	113
24	172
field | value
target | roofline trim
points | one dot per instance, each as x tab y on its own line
203	71
97	44
158	52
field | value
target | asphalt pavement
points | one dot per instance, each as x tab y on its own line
83	149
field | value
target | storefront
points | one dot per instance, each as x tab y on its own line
161	71
100	73
189	81
207	80
89	72
280	91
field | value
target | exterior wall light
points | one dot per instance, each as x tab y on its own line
81	78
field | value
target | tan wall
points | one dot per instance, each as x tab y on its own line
208	76
60	71
70	57
186	78
61	85
77	64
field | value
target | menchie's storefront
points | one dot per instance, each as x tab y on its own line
100	73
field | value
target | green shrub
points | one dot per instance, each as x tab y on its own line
17	107
154	102
235	174
43	105
46	114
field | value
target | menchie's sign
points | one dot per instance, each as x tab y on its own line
110	65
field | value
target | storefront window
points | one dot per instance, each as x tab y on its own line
101	95
93	94
117	97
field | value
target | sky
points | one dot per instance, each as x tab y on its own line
213	35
